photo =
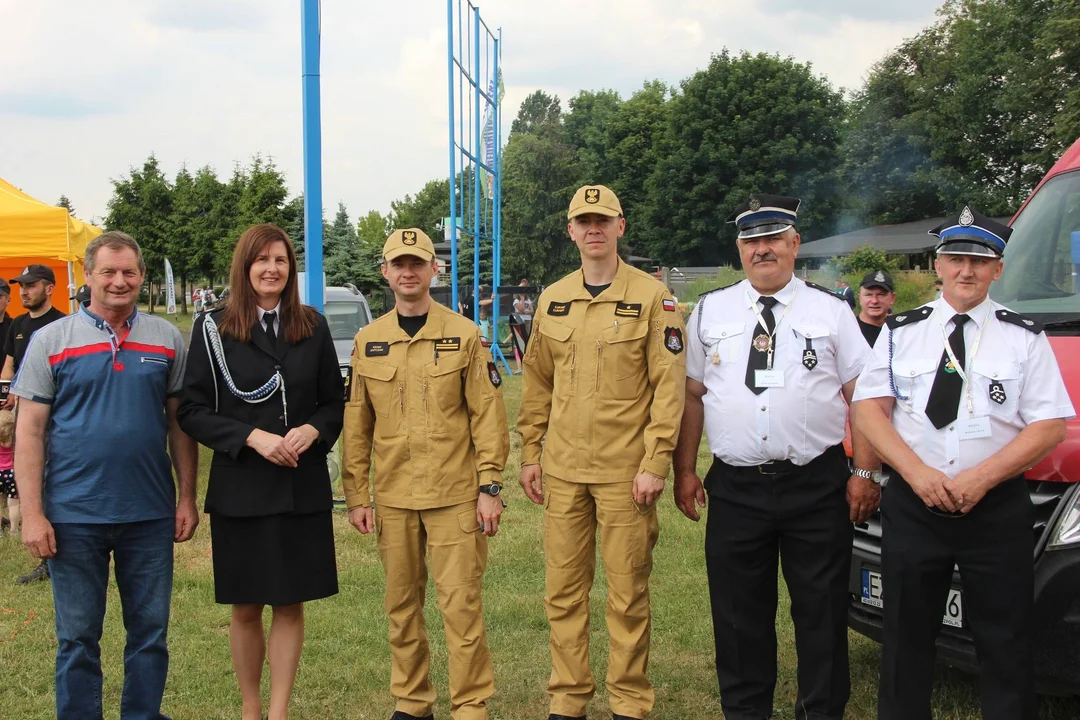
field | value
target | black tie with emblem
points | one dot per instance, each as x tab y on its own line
759	356
269	319
944	401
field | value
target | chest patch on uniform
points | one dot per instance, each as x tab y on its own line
558	308
448	344
377	349
809	358
493	374
997	392
673	340
628	310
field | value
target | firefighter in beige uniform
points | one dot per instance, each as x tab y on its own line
424	401
602	397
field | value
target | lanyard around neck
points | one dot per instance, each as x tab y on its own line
962	371
765	325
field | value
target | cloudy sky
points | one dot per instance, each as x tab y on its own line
89	89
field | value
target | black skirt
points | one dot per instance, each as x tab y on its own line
273	559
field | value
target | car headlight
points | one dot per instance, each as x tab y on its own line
1067	530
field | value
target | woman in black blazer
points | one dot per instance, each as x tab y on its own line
264	391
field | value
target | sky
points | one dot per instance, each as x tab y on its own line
89	89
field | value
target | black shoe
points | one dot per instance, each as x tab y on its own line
5	524
398	715
41	572
553	716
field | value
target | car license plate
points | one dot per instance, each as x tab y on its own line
873	595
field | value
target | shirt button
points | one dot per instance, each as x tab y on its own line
723	334
913	373
762	408
952	462
951	428
280	417
764	437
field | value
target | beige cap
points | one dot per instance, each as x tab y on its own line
594	199
410	241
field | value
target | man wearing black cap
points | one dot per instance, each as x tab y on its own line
36	285
876	298
770	362
963	397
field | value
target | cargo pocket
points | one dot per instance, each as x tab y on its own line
563	353
446	381
622	364
995	386
379	382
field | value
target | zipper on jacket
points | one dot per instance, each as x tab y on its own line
424	394
597	366
573	361
401	398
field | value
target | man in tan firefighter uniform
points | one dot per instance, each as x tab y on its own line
424	400
602	398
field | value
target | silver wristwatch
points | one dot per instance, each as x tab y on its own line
875	476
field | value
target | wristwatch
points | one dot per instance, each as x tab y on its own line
875	476
493	489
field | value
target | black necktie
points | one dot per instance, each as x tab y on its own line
269	319
759	351
944	400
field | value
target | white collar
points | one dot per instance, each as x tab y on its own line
977	314
783	296
277	309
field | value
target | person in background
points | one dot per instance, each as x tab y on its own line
938	285
843	289
876	298
197	299
263	390
8	490
5	319
36	285
96	429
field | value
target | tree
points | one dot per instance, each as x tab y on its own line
540	175
586	128
425	210
539	113
65	203
373	229
752	123
141	206
1059	43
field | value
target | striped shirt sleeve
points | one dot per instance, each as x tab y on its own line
34	380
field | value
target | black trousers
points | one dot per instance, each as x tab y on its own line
799	515
992	546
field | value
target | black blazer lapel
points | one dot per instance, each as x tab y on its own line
262	341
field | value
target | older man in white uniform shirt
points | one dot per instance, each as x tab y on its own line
960	397
770	362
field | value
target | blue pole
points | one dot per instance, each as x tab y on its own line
477	122
496	250
453	149
313	229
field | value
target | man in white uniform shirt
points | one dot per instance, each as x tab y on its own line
770	362
960	397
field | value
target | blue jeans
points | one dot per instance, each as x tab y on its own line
143	553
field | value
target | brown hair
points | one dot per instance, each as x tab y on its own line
114	240
297	321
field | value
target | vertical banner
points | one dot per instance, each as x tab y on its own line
170	290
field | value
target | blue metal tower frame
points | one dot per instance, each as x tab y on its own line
310	22
474	89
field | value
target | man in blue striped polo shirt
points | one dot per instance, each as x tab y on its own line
99	391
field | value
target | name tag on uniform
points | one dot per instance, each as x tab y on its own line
769	378
973	428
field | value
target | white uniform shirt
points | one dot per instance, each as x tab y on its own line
1016	360
277	318
799	421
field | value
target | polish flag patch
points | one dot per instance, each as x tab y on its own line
669	305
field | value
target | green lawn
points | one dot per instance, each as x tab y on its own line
345	667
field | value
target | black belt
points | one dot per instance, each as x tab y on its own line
782	467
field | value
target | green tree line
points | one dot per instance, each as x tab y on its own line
973	109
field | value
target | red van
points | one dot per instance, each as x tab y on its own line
1041	279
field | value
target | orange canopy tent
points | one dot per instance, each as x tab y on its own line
33	232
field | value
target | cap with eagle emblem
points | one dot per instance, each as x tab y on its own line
408	241
594	199
763	215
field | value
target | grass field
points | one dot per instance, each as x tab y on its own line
345	668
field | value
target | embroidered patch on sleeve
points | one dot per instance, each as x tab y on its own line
669	304
673	340
493	374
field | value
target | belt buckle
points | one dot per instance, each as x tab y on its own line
761	468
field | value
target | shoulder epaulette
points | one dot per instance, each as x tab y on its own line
1017	319
825	290
909	318
709	292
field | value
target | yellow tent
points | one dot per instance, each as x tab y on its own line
33	232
